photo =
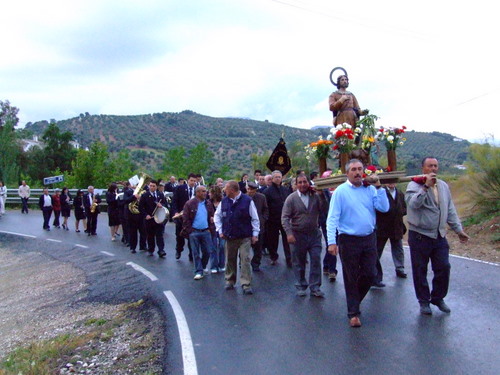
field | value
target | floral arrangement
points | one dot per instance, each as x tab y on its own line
372	169
393	137
319	149
344	137
368	131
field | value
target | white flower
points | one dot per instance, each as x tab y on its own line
339	127
329	137
347	126
320	137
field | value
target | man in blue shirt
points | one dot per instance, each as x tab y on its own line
198	226
352	218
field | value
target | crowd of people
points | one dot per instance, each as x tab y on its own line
231	225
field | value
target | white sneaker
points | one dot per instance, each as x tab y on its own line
214	271
198	276
223	269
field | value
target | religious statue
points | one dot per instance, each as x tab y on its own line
343	103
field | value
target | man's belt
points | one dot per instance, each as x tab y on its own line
200	230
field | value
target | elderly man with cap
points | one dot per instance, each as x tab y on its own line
261	205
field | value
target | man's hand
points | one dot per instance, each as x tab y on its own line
430	179
373	180
159	205
463	237
148	217
255	240
291	238
222	236
333	249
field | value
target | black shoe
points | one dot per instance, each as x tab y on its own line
425	309
378	284
143	249
317	293
442	306
162	254
401	274
94	234
247	290
177	255
133	251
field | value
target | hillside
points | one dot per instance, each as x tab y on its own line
232	140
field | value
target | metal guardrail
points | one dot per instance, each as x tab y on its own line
13	195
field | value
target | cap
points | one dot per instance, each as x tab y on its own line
252	185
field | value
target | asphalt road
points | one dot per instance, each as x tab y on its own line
275	332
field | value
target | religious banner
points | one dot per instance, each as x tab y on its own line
279	159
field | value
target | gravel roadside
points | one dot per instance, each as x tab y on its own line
121	327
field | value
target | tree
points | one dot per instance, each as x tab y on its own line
58	150
10	149
178	162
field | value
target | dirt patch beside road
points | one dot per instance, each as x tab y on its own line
42	299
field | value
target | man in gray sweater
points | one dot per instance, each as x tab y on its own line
300	221
430	208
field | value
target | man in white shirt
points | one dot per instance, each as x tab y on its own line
24	193
45	204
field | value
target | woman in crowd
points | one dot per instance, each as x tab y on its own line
3	197
113	210
65	206
56	207
243	183
79	211
217	257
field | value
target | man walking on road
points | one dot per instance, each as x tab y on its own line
182	194
390	226
352	216
260	202
276	195
237	221
198	226
430	207
91	202
148	203
45	203
300	221
24	193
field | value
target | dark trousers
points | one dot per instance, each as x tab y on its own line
273	237
136	229
359	257
179	240
398	255
24	202
57	214
423	249
329	260
125	228
257	249
92	222
47	212
155	236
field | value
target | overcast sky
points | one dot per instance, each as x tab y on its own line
429	65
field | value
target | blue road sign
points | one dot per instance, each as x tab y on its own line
53	180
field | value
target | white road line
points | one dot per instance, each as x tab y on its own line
466	258
144	271
83	246
17	234
110	254
51	240
188	357
475	260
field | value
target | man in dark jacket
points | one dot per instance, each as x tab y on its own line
260	202
276	195
198	226
149	202
182	194
135	222
89	200
390	226
45	203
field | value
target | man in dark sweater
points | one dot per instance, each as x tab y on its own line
300	221
390	226
237	221
261	205
276	195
